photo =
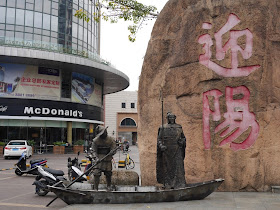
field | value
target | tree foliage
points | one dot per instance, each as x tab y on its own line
127	10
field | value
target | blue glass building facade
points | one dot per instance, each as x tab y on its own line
52	79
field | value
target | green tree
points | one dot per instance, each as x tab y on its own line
127	10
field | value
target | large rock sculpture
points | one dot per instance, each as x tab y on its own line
217	64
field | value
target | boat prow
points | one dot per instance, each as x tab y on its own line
81	193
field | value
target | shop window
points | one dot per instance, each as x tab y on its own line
3	134
19	133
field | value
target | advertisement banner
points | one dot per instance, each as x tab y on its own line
24	81
96	97
85	90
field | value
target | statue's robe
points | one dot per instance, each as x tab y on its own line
170	163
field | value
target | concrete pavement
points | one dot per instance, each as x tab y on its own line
18	192
217	200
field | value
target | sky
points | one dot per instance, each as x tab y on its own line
124	55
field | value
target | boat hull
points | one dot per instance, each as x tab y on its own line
136	194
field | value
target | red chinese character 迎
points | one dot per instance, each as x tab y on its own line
232	45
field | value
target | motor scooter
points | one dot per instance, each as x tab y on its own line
47	176
51	177
74	169
23	168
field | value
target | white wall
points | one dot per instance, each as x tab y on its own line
113	105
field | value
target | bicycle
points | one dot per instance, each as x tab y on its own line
129	163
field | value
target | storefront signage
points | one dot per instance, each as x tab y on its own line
49	109
3	108
53	112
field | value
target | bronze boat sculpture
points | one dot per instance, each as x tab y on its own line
82	193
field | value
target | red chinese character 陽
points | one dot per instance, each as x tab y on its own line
238	118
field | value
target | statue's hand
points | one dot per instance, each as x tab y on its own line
96	159
180	142
163	148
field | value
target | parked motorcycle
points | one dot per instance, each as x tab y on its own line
74	169
47	176
23	168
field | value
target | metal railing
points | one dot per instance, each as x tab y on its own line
51	47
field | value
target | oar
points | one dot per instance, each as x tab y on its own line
110	153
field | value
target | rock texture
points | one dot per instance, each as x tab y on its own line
119	177
172	64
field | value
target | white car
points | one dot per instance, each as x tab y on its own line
16	148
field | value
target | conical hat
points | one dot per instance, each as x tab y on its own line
100	130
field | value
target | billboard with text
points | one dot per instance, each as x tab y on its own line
24	81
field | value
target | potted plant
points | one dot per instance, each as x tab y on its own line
2	145
59	147
32	144
78	146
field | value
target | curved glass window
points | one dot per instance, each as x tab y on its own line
46	21
38	5
21	4
128	122
29	18
47	6
38	20
11	15
11	3
2	14
54	23
55	19
74	30
19	17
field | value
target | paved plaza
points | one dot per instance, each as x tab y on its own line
18	192
217	200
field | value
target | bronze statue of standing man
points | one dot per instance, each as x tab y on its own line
102	144
171	145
